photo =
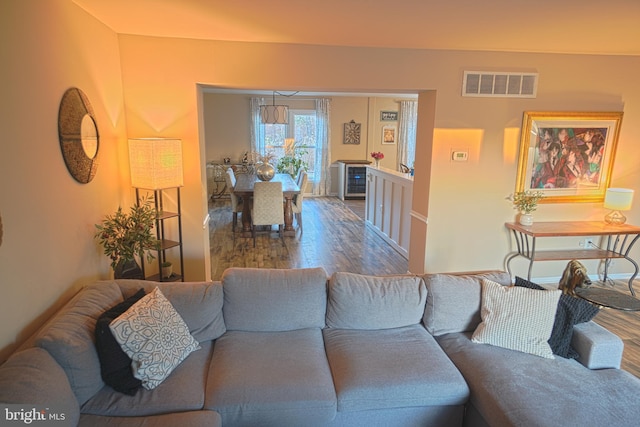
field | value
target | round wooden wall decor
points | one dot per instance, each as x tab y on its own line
78	134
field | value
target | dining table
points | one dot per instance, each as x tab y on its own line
244	188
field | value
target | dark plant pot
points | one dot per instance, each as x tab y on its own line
128	269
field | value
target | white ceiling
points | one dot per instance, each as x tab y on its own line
558	26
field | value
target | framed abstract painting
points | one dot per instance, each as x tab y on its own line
568	156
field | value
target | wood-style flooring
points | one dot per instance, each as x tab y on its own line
336	238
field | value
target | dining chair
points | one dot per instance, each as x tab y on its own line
236	201
296	203
268	206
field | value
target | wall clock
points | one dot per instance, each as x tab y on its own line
78	134
352	132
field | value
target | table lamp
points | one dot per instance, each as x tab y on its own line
617	199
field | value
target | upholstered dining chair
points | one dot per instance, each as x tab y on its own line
268	206
236	202
296	203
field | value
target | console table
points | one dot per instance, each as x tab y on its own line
620	239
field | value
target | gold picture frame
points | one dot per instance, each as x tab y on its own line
568	156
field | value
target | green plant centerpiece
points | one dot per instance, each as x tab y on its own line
526	202
293	160
127	236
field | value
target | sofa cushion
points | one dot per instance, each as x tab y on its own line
367	302
270	300
199	304
115	364
183	390
274	378
70	337
183	419
453	301
156	338
391	368
517	318
571	311
33	377
511	388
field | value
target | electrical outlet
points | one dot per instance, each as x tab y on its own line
587	243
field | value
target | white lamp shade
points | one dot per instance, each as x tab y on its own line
156	163
618	199
274	114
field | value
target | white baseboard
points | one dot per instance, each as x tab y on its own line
594	277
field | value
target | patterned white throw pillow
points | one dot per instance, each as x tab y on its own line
155	337
517	318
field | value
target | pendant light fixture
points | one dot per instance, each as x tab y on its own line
274	114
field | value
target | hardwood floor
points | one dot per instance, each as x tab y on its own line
336	238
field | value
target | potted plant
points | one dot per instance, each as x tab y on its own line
525	202
167	269
293	159
127	236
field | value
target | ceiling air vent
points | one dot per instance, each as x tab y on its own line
499	84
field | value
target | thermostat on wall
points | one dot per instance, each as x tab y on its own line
460	156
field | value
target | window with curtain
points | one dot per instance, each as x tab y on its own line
407	123
295	141
305	138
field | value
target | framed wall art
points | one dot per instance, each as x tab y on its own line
568	156
389	133
352	133
388	116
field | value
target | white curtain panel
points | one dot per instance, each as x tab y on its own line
322	178
407	120
257	129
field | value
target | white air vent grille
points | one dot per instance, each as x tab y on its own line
500	84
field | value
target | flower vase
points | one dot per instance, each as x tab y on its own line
377	162
525	219
265	171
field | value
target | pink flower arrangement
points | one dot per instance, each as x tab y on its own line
378	155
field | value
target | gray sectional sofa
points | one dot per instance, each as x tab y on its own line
292	348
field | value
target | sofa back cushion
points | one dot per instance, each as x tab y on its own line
70	337
375	302
33	377
270	300
198	303
453	303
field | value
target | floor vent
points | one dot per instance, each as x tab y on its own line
499	84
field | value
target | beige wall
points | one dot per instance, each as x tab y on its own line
48	251
467	207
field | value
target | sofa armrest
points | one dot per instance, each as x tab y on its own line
598	347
